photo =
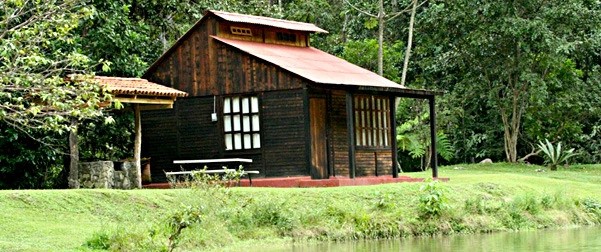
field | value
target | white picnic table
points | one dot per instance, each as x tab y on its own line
219	171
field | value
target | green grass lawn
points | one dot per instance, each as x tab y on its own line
63	220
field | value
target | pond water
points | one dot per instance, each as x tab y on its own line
577	239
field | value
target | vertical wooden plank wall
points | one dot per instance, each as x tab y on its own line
339	134
159	140
283	133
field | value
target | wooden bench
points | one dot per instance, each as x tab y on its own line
218	160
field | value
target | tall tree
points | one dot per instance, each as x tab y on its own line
39	93
512	55
36	54
381	19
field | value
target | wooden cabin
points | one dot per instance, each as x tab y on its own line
258	90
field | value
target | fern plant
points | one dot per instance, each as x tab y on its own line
554	155
413	136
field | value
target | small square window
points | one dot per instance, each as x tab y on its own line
241	123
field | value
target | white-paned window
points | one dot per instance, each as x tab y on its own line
241	123
372	121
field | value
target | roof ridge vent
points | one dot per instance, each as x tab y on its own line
241	31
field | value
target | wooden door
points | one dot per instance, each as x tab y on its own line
319	147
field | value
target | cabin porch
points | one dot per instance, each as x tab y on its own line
307	182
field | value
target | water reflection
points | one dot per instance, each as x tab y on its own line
580	239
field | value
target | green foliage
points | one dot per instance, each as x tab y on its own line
520	198
527	85
21	162
180	221
99	241
108	138
592	205
201	180
432	201
36	54
555	156
365	53
413	136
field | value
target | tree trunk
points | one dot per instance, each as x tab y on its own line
409	43
138	144
381	16
344	28
511	127
73	156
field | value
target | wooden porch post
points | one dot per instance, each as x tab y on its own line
350	125
138	144
433	137
395	168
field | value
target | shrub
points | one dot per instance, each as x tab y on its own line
554	155
180	221
201	180
432	201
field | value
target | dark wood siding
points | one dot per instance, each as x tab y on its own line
369	160
284	133
198	135
187	132
188	66
159	140
366	160
184	132
238	72
339	143
201	66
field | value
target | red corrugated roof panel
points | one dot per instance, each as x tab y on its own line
312	64
137	86
279	23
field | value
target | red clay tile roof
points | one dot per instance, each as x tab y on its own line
137	86
279	23
313	64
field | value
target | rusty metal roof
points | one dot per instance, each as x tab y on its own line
273	22
312	64
137	86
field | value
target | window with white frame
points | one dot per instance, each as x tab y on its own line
241	123
372	121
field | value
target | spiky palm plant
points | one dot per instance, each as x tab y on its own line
554	155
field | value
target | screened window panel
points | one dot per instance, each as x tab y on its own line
254	104
256	123
372	119
245	105
247	141
237	122
228	142
256	140
227	105
236	104
246	124
227	123
238	141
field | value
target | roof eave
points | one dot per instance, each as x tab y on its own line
396	91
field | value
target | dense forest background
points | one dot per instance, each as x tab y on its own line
513	72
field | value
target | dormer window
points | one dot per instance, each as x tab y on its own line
284	36
241	31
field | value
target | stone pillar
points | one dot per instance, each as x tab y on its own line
98	174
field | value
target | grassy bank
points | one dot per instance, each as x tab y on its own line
479	198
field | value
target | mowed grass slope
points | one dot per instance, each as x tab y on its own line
481	198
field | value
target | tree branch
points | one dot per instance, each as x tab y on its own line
407	9
360	10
